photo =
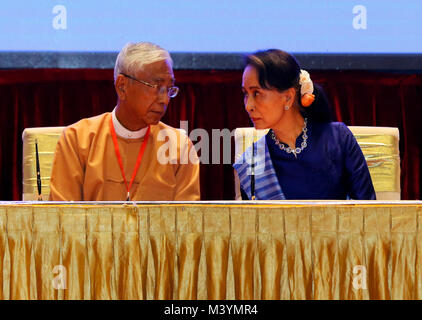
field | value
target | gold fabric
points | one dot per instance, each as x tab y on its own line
199	251
47	140
381	154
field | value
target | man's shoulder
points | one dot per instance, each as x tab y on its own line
85	134
87	126
85	131
91	123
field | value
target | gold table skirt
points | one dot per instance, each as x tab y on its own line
211	251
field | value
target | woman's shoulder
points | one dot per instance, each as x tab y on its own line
335	127
342	129
332	131
330	125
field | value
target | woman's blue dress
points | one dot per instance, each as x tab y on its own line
332	165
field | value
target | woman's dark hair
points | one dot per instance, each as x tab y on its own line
279	70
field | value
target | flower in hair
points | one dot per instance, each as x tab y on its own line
306	89
307	99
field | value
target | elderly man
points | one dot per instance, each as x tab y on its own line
125	154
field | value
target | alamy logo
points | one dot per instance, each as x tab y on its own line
60	18
359	20
59	281
175	149
359	280
167	153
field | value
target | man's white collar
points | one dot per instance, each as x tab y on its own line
125	133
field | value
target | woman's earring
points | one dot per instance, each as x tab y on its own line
286	107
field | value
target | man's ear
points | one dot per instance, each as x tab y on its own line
120	85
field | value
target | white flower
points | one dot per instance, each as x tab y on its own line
306	84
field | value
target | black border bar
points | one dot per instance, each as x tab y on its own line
212	61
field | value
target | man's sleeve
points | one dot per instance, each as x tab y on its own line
67	172
359	178
187	174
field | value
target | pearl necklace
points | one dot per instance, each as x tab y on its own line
295	151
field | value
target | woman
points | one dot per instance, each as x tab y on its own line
304	155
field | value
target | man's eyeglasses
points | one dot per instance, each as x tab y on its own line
171	91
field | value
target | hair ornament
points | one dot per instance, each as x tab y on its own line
306	89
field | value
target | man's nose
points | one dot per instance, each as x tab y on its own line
163	97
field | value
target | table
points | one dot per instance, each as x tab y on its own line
211	250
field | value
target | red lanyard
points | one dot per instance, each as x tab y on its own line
119	158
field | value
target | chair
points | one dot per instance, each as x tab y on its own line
380	146
47	138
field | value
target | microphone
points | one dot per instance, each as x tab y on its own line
253	170
37	160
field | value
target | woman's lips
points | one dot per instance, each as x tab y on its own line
255	119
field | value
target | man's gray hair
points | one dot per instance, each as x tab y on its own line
134	56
